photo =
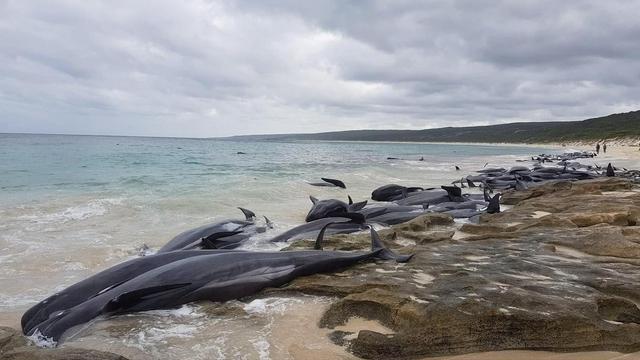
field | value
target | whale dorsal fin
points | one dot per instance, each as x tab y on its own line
248	214
454	192
494	204
313	199
350	199
383	252
357	206
320	238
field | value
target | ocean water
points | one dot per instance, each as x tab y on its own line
73	205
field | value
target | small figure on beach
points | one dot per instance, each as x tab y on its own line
598	148
604	148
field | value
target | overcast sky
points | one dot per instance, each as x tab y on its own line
212	68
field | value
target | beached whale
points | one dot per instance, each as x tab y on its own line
393	218
332	208
380	209
100	282
462	213
216	277
222	234
311	229
425	197
392	192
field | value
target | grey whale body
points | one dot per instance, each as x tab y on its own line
104	280
227	234
220	276
312	229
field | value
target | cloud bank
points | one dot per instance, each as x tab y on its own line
202	68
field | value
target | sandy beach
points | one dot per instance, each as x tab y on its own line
260	326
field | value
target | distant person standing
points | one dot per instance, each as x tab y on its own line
598	148
604	148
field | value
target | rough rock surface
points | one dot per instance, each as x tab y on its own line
64	353
10	339
559	271
14	346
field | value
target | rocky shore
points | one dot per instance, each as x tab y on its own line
557	272
14	346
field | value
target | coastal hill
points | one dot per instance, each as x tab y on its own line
611	127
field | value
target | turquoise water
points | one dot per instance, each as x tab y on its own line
73	205
36	167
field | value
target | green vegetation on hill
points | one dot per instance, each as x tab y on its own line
616	126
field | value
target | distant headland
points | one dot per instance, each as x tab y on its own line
621	128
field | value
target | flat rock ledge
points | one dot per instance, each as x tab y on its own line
559	272
14	346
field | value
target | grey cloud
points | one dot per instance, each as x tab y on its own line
213	68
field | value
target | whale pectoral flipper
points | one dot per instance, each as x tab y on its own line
335	182
129	299
208	242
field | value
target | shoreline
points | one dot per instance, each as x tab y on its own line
297	351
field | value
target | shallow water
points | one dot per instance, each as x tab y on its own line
73	205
